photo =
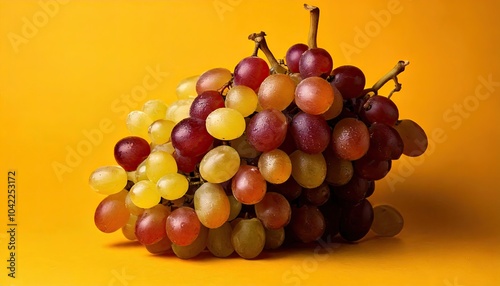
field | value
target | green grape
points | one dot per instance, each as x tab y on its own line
128	229
160	130
144	194
309	170
172	186
156	109
243	99
225	123
274	238
248	238
132	208
243	146
220	164
195	248
234	207
161	247
165	147
338	171
140	172
158	164
277	91
275	166
211	205
186	89
219	240
387	221
138	123
108	180
178	110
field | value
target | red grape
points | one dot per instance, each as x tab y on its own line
131	151
191	138
349	80
293	55
251	72
205	103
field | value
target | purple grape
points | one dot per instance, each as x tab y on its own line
315	62
349	80
293	56
191	138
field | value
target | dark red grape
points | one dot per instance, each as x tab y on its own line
310	132
186	164
131	151
307	223
290	189
349	80
267	130
371	169
355	221
251	72
316	196
385	143
352	192
205	103
191	138
293	55
379	109
315	62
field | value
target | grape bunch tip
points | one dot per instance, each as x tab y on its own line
274	153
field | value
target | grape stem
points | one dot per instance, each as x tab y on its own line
391	75
313	26
260	43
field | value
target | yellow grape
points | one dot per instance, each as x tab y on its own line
165	147
158	164
155	109
243	99
178	110
213	79
275	166
144	194
172	186
132	208
211	205
336	107
138	123
160	131
128	229
186	89
220	164
140	172
108	180
225	123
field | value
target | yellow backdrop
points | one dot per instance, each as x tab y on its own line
71	70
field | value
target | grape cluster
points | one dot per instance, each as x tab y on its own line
246	160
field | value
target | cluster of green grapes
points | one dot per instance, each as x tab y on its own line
246	160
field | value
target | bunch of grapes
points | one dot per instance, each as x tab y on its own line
246	160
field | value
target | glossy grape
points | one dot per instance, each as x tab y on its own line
275	166
160	131
144	194
213	79
186	89
111	214
350	139
273	211
315	62
219	240
248	185
267	130
205	103
158	164
225	124
385	142
156	109
251	72
380	109
293	55
248	238
220	164
191	138
349	80
314	95
183	226
108	180
150	226
130	151
277	91
243	99
138	123
310	132
172	186
211	205
309	170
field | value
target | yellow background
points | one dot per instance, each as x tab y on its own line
70	74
